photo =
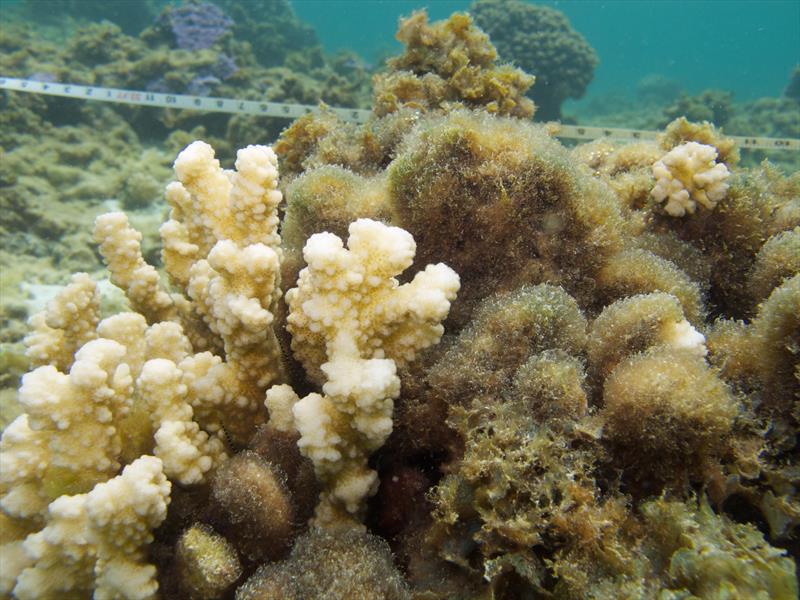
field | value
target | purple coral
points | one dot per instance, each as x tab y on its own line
197	25
201	85
203	81
43	77
207	79
225	67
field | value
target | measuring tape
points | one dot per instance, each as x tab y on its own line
293	111
183	101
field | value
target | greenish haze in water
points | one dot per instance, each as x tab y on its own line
747	47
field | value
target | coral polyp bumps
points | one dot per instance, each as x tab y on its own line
137	381
500	368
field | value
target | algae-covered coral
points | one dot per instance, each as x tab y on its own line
437	355
449	62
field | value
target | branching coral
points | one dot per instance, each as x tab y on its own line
96	541
353	325
65	326
123	396
687	176
222	250
131	388
53	442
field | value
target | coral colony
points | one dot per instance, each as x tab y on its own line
196	25
439	355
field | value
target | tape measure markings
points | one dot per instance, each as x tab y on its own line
182	101
293	111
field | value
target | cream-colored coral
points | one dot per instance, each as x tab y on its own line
237	205
96	543
353	292
280	401
352	324
689	175
340	429
120	246
131	387
233	291
139	383
187	451
67	439
682	336
129	391
112	392
222	254
233	281
67	324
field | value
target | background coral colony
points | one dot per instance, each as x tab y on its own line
445	353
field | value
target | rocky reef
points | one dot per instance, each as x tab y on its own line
435	356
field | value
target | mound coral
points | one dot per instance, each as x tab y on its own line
348	564
208	563
468	172
714	106
541	41
196	25
664	409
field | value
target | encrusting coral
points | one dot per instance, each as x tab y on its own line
601	403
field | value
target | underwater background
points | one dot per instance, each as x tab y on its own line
743	47
445	353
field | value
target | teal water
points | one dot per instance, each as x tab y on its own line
745	47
